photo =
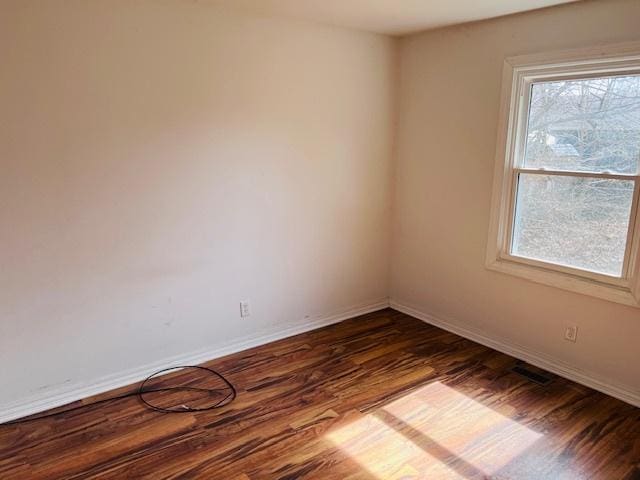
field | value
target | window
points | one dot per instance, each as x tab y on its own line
565	204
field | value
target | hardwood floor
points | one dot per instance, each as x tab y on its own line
382	396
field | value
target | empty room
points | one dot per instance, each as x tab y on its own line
320	239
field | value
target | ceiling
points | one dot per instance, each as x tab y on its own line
394	17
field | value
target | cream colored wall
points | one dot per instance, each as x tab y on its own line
162	160
449	100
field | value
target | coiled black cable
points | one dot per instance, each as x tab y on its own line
144	390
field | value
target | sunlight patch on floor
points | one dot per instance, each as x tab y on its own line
387	453
434	432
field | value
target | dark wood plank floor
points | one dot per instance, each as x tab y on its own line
382	396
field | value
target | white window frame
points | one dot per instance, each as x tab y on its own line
519	73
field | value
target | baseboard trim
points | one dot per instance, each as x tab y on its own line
538	359
65	394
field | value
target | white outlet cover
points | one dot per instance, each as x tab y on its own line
571	333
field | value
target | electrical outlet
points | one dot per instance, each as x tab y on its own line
571	333
245	308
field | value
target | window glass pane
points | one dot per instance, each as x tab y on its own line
585	125
573	221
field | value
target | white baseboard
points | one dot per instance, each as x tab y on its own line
65	394
624	393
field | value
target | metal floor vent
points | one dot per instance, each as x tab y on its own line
534	374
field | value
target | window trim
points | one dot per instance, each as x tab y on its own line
518	74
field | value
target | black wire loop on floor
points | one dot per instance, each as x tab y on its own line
143	390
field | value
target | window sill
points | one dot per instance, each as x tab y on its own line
565	281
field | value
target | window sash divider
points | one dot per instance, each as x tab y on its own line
574	173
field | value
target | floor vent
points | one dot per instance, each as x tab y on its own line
534	374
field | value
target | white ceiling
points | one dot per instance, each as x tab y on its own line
395	17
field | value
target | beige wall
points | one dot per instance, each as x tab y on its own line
449	100
162	160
